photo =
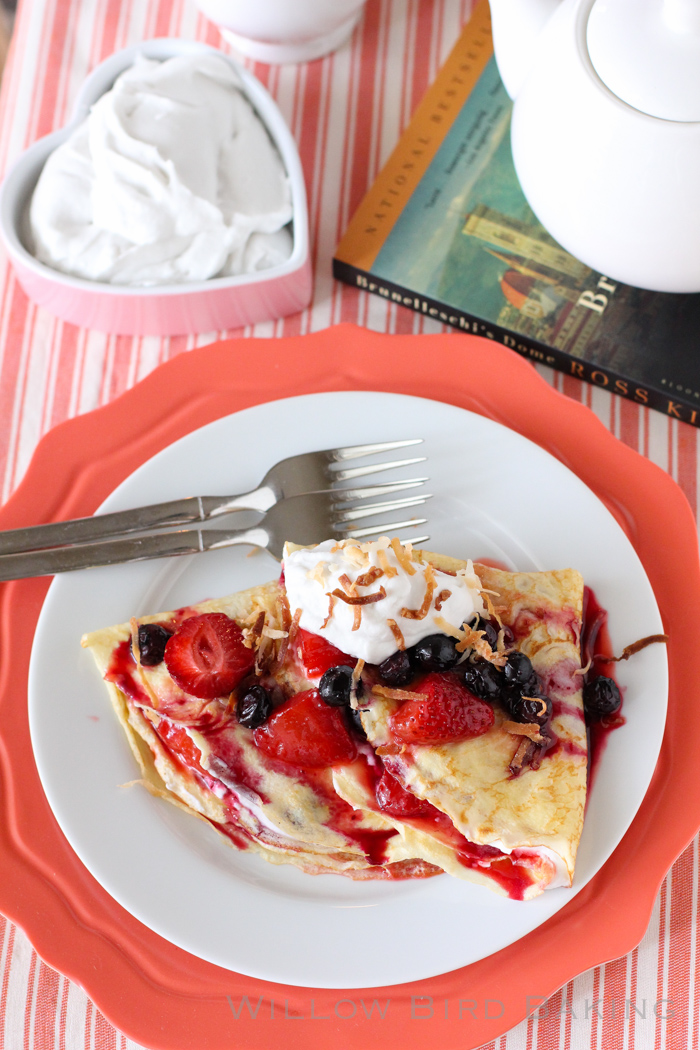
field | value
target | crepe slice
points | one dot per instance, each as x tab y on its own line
194	753
504	809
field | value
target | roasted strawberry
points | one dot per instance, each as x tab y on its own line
449	712
206	656
306	732
318	655
393	799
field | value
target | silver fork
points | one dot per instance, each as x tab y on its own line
311	518
294	476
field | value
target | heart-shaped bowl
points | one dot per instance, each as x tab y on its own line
174	309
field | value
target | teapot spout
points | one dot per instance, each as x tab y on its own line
516	26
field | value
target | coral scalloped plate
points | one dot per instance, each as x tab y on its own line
159	994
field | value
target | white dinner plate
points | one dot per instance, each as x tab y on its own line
496	495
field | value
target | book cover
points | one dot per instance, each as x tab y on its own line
445	230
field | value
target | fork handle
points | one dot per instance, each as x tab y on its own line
18	566
157	515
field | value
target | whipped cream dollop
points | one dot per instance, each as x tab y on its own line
173	177
410	599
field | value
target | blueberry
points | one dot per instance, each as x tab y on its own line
518	670
536	709
336	685
152	641
437	652
254	707
601	697
396	670
490	632
483	680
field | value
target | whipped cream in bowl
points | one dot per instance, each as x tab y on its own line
173	202
171	177
370	599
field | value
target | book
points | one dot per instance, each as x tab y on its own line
446	230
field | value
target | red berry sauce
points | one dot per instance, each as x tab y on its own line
596	645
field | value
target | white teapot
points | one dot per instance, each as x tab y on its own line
606	130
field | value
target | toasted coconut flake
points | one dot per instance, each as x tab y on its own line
528	729
318	573
396	631
448	628
395	694
490	607
251	635
368	578
286	617
403	555
430	585
635	647
287	639
524	752
360	599
381	544
331	602
389	570
356	617
468	638
272	632
263	656
346	583
356	675
356	554
586	669
294	625
282	650
441	599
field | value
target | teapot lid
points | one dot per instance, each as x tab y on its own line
647	52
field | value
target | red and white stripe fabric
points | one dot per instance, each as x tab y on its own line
346	113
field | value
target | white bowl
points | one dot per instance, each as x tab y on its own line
173	309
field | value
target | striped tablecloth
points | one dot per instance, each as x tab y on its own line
346	113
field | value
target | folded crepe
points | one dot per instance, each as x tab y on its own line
503	809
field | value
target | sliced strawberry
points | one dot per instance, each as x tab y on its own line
393	799
206	656
449	712
307	733
318	655
180	744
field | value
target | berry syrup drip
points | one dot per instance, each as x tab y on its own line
227	761
341	817
121	672
596	646
185	754
509	871
513	877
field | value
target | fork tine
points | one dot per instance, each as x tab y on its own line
385	530
346	495
374	468
357	451
354	514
